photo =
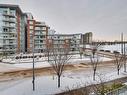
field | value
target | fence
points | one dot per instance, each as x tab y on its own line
119	91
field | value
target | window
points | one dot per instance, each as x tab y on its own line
31	27
5	12
5	29
31	31
41	41
30	22
44	28
42	36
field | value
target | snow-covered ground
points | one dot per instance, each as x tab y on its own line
46	85
39	63
112	48
116	47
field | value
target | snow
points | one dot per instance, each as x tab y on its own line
40	63
112	48
45	85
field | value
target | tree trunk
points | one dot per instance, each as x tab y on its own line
124	66
48	56
124	57
80	56
58	81
94	75
118	71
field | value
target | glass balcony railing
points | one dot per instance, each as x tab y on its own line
9	32
9	14
9	20
12	49
9	38
8	26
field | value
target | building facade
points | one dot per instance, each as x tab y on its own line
71	41
11	29
41	31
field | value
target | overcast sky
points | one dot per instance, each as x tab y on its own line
105	18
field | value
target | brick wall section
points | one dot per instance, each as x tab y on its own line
29	48
18	33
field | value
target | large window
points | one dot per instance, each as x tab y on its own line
31	27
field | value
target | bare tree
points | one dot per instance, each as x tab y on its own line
95	60
58	58
81	53
95	47
94	63
118	62
100	88
48	47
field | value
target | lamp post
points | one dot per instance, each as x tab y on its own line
33	81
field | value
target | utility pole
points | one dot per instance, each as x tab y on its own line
122	44
33	81
123	51
124	57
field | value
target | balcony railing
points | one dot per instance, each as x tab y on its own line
9	26
119	91
10	15
13	38
10	32
9	20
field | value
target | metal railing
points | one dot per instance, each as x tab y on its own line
120	91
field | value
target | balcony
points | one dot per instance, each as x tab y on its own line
10	15
10	32
9	26
9	38
9	20
10	44
9	49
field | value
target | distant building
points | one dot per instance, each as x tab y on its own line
72	41
87	38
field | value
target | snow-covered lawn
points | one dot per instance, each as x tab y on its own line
45	85
39	63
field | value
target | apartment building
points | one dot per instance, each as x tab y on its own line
11	28
41	32
87	38
29	32
18	30
71	41
36	31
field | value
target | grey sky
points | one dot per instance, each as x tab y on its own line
105	18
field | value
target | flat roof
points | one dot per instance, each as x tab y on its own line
11	6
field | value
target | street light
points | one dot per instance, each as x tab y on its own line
33	81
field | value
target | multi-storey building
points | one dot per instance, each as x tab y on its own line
38	31
41	32
11	28
87	38
65	40
29	32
